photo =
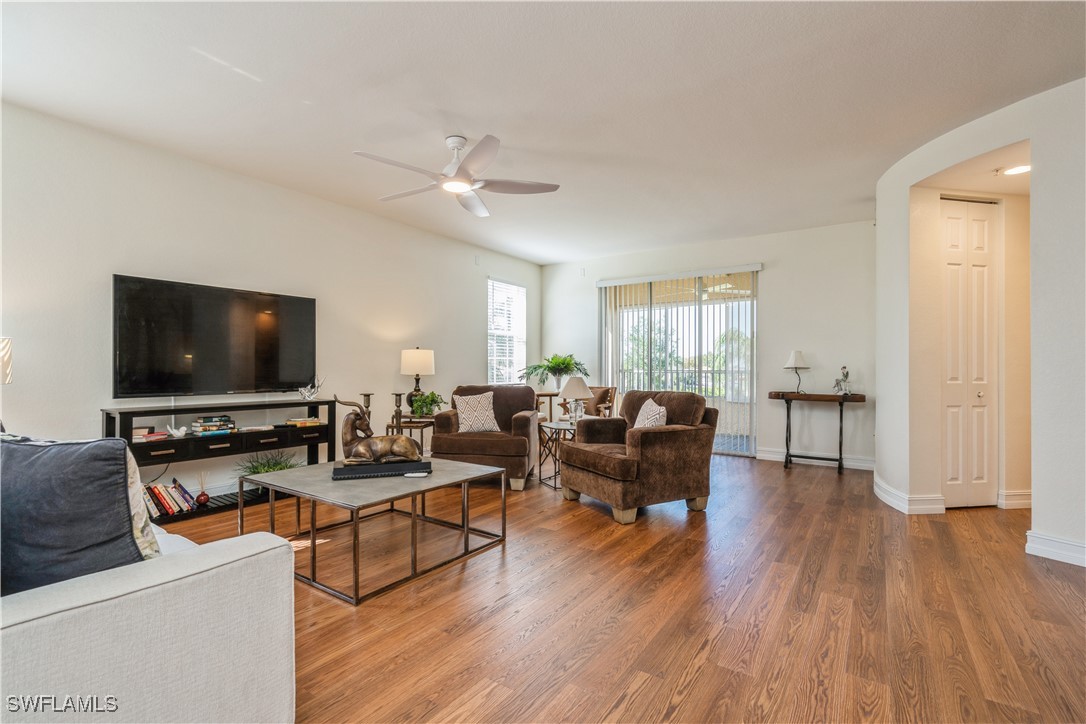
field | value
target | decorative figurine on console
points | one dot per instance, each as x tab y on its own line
362	447
840	385
310	391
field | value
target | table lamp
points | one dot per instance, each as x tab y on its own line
416	362
576	390
796	363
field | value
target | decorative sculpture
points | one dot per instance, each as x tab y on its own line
362	447
310	392
840	385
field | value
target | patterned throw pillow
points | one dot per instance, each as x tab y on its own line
141	519
476	412
651	415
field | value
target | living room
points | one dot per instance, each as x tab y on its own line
126	151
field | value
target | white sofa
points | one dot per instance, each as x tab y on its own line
200	634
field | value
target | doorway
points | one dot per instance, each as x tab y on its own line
973	265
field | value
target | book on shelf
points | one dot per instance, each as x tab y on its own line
304	421
210	419
152	507
150	437
206	427
162	498
209	433
141	431
185	494
176	498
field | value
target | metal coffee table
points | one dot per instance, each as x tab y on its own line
314	483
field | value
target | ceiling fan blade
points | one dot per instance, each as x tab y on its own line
478	158
471	201
505	186
412	192
429	174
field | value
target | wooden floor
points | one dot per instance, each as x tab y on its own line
797	596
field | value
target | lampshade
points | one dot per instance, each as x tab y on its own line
575	389
417	362
796	361
5	360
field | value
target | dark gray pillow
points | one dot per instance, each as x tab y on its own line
64	511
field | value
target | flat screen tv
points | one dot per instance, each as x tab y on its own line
173	338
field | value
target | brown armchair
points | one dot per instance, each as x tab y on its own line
603	399
628	467
515	447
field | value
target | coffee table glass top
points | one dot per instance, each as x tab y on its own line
315	482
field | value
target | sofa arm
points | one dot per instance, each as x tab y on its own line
216	620
526	423
671	452
601	430
446	421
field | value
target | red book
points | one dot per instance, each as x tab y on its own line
162	498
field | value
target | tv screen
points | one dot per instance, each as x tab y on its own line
172	338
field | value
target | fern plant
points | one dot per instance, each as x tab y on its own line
557	366
266	462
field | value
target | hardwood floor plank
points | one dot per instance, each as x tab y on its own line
796	596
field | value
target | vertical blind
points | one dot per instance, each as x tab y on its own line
507	331
694	334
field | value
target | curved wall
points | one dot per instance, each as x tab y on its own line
1055	124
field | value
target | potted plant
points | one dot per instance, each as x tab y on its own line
557	366
266	462
426	405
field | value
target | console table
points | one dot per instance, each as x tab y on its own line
790	397
117	422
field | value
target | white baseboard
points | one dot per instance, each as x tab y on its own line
852	462
909	504
1058	549
1011	499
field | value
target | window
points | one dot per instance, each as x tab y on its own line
507	332
694	334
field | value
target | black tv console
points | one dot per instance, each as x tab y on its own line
117	422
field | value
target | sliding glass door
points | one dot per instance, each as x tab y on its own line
694	334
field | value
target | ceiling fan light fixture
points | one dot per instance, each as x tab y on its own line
1017	170
456	186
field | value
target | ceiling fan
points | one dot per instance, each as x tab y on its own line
461	177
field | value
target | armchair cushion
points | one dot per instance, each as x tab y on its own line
476	412
608	460
607	430
683	408
479	443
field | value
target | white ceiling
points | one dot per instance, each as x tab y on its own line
664	123
984	172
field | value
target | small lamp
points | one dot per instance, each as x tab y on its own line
575	389
796	363
416	362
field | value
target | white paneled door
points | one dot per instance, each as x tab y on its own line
970	408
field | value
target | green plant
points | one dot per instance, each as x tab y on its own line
425	405
557	365
266	462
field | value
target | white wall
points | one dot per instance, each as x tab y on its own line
1053	122
815	293
80	205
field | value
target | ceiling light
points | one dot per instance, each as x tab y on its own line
1017	170
456	186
